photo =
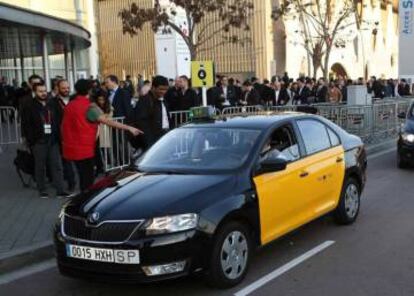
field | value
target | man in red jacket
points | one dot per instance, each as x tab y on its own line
79	132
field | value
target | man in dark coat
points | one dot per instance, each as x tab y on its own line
268	96
172	96
119	98
40	123
404	88
151	115
223	95
188	98
321	91
251	96
303	94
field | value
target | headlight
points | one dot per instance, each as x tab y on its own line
408	137
170	224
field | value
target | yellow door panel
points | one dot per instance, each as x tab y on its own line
307	189
284	200
326	179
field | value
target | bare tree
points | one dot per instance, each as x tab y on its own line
324	24
229	14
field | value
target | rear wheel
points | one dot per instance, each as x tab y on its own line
349	203
231	255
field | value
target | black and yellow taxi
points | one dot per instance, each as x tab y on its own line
405	156
207	194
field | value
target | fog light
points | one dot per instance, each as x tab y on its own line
164	269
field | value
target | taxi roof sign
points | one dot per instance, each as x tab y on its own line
202	113
202	73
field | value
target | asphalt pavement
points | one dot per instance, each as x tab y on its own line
372	257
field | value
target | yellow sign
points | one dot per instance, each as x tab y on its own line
202	73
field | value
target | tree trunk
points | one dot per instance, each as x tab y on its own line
315	70
326	64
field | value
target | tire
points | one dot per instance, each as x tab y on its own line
349	204
400	162
220	277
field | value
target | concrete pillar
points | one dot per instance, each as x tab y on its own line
67	70
93	50
263	38
73	60
45	61
19	37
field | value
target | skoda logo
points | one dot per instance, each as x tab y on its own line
93	218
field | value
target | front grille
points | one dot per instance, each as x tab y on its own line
78	228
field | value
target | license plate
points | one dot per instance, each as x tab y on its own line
103	255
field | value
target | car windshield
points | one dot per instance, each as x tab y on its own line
199	149
411	111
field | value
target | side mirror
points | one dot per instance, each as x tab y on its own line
274	165
402	115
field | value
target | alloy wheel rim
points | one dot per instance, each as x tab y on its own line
234	255
351	200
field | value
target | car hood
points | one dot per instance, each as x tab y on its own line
409	126
130	196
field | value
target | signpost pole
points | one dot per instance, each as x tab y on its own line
204	93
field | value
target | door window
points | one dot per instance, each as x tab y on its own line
282	143
334	138
315	136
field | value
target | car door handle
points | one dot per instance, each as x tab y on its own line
339	159
304	174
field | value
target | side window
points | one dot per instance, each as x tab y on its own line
314	135
282	143
334	138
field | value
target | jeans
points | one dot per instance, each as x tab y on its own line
47	155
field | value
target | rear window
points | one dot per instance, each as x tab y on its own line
315	136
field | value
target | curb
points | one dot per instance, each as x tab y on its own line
23	257
11	261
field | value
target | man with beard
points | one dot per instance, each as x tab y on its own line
41	127
60	101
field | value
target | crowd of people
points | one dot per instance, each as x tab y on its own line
64	129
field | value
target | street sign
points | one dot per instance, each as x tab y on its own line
406	40
202	73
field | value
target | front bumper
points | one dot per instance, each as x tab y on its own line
191	247
406	151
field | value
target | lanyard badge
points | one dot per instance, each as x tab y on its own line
47	126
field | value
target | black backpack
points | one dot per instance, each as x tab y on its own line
24	163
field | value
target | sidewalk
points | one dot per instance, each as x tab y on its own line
25	219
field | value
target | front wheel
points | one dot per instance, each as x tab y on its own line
230	256
400	162
349	203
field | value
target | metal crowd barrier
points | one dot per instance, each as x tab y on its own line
242	110
114	147
180	117
9	126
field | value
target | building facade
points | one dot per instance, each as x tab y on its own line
47	37
273	47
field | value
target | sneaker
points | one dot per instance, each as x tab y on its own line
43	195
64	194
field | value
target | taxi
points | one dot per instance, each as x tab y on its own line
405	156
206	195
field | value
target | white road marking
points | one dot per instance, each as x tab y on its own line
379	154
26	271
283	269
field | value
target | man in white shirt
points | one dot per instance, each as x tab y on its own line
151	115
